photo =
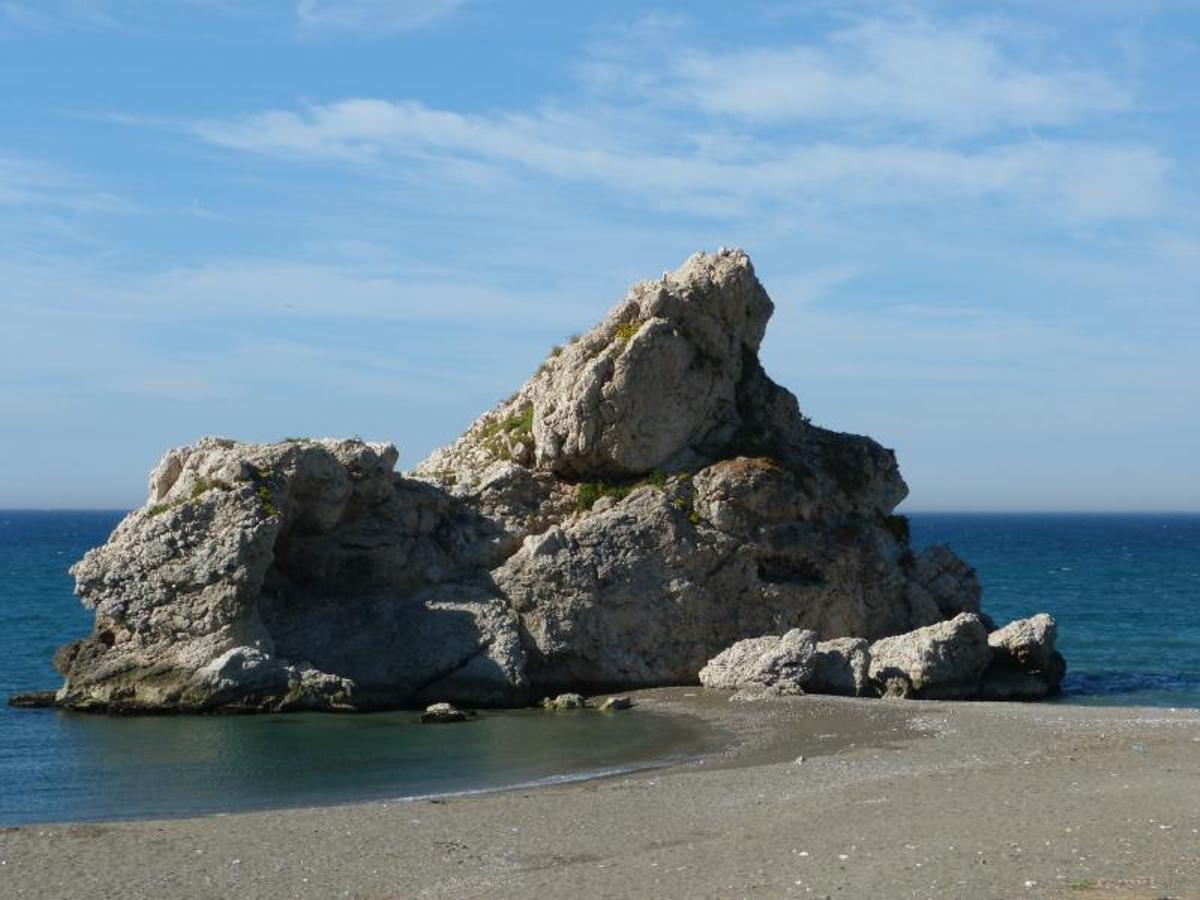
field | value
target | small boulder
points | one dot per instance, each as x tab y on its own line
1025	664
439	713
841	666
614	703
779	663
565	701
32	699
944	661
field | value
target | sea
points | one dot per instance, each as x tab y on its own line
1125	590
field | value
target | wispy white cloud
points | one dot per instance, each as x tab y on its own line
370	16
48	15
270	289
1072	179
311	18
31	183
958	79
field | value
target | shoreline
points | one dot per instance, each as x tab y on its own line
918	798
359	758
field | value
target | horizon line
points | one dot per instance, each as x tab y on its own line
920	512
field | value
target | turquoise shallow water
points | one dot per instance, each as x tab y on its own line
1125	590
57	766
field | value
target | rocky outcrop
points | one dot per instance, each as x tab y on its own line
648	498
301	575
781	664
953	659
1025	664
937	662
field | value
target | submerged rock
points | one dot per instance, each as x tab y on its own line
616	703
565	701
647	499
32	699
444	713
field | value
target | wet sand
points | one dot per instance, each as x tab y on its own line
892	799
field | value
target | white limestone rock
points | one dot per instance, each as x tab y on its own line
938	662
444	714
648	498
304	574
778	663
1025	663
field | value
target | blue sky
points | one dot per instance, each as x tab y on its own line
979	223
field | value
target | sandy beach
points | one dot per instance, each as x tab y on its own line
891	799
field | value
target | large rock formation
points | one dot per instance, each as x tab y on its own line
646	499
294	575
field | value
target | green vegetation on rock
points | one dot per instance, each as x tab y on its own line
201	485
624	333
499	435
588	492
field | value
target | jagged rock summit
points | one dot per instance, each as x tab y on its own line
647	499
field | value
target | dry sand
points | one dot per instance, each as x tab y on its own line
892	799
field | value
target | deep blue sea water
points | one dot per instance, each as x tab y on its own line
1125	590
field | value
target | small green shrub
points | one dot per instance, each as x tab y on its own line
624	333
520	425
499	434
263	491
267	499
556	350
588	492
201	485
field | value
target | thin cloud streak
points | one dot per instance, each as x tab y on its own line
1075	179
370	17
960	80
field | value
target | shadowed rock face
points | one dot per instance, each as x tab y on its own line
295	575
646	499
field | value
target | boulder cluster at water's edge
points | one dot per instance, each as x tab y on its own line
649	508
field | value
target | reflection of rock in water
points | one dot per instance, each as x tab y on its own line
646	499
